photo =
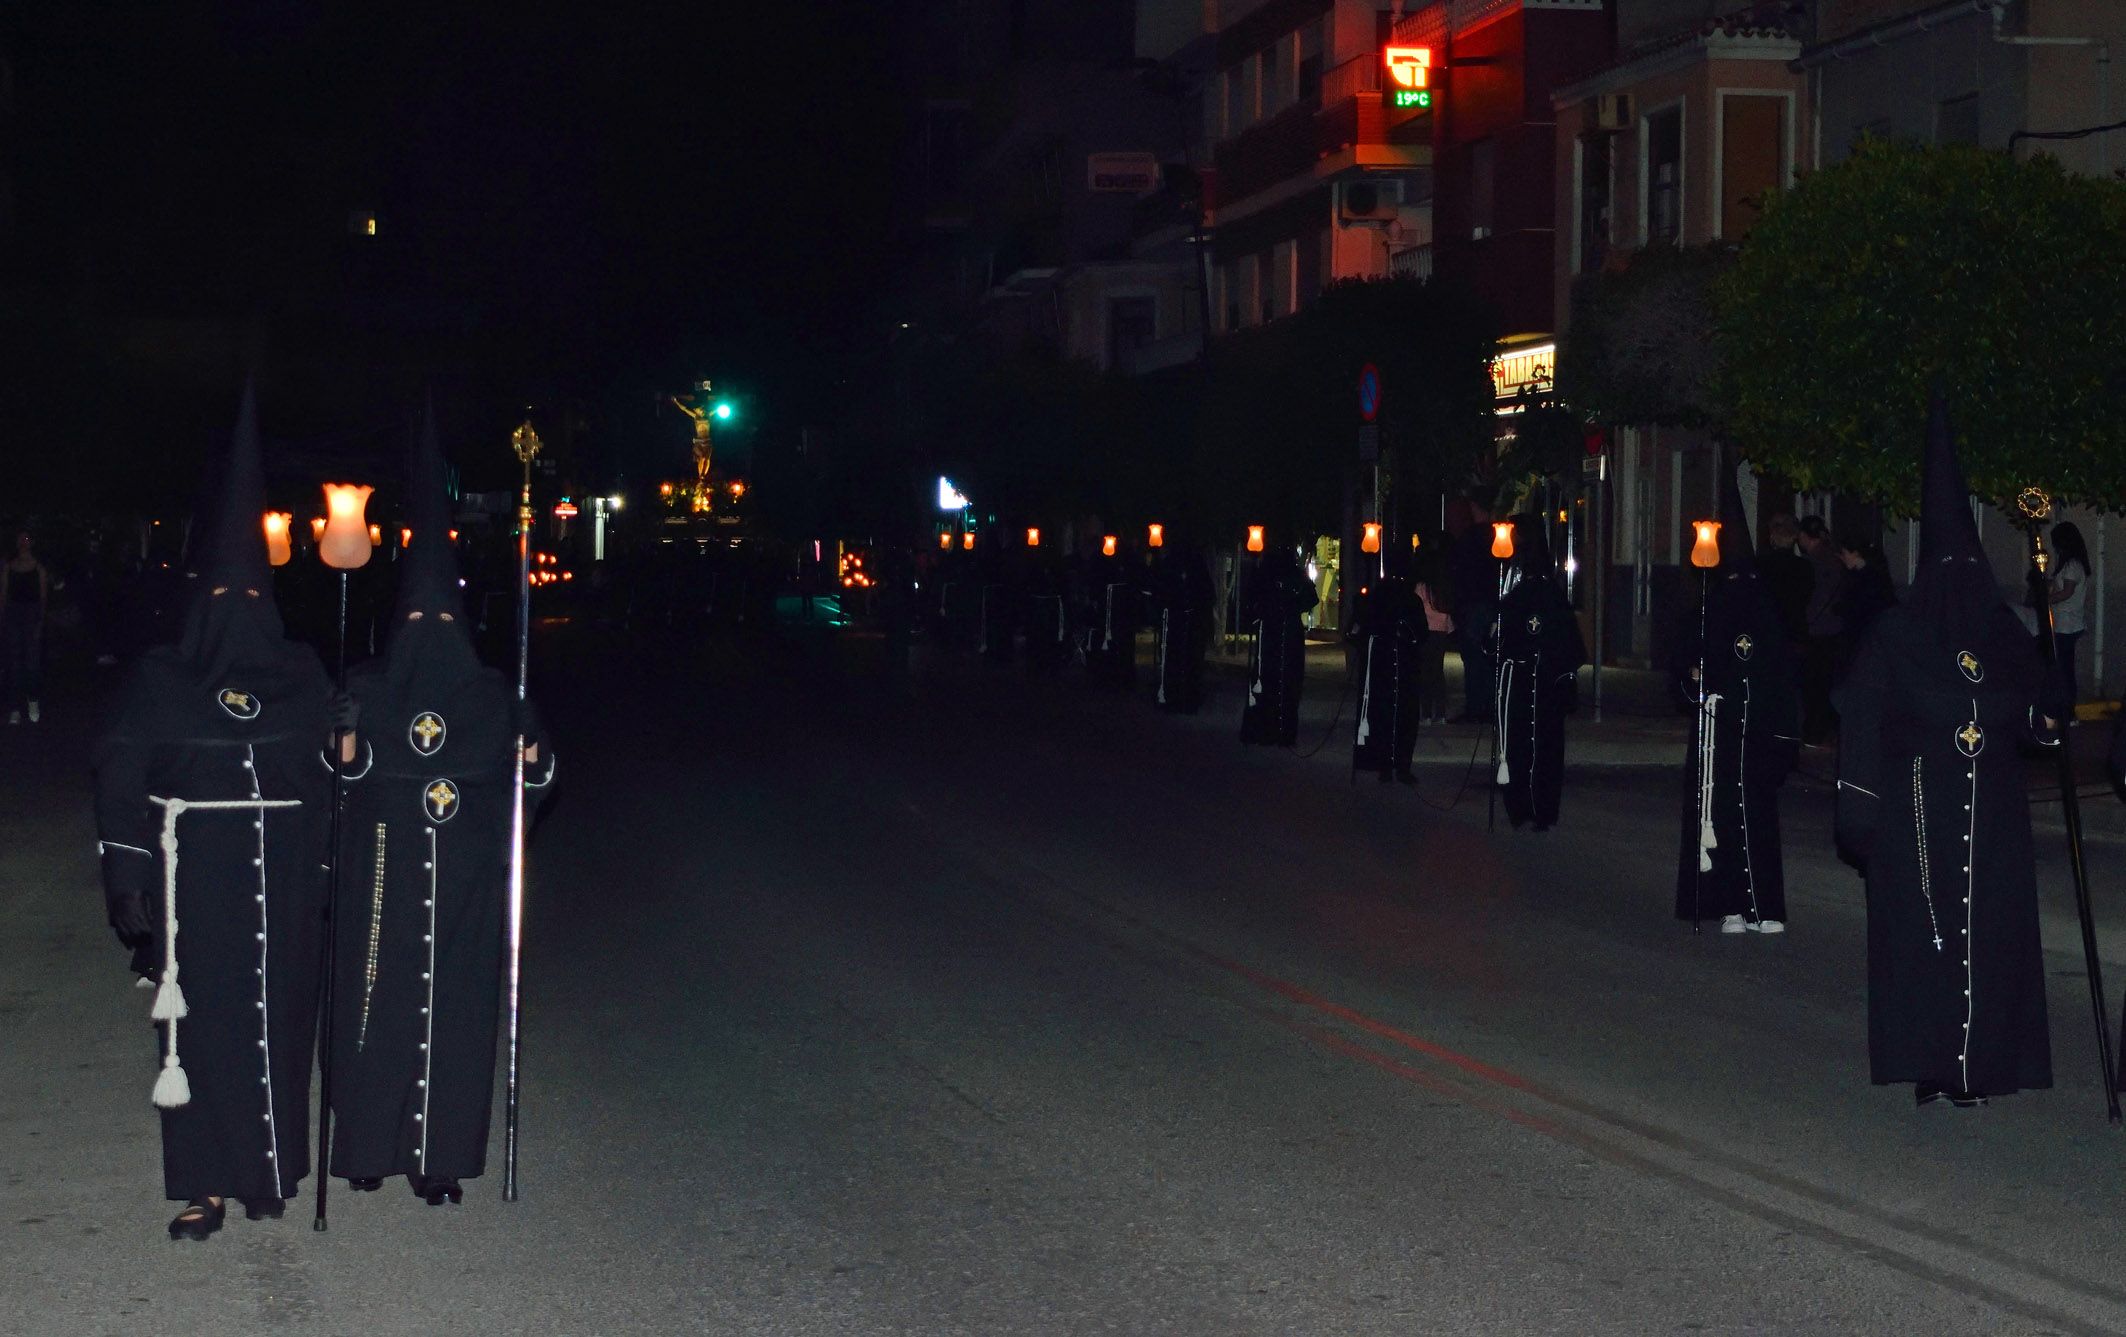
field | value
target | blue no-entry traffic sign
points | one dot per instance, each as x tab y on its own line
1369	392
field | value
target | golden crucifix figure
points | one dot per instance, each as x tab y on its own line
704	453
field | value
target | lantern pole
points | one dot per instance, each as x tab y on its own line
2036	506
344	504
525	441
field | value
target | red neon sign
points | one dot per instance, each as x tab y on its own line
1409	66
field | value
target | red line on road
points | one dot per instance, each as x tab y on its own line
1287	989
1438	1085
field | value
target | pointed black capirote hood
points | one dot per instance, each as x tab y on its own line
233	548
1738	545
1947	531
428	574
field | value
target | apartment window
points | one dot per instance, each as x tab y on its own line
1956	120
1284	281
1265	304
1309	262
1132	323
1752	158
1225	296
1310	58
1663	214
1251	89
1236	106
1595	198
1483	187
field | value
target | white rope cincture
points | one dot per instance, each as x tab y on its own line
1742	795
1708	759
1919	827
1255	686
1163	632
1502	709
1365	697
172	1087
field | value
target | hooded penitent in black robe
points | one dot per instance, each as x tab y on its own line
1745	735
1539	660
1278	597
1047	620
1933	807
1181	596
1389	635
1111	654
425	847
212	811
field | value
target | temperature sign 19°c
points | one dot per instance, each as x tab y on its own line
1409	76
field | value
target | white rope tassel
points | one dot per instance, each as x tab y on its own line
1707	753
1164	631
172	1088
1365	698
1255	687
1503	702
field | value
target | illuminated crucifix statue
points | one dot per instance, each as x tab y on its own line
701	412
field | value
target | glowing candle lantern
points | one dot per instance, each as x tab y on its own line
1370	540
1033	537
967	540
664	489
1254	538
277	551
1502	539
342	544
1413	542
405	537
944	543
1156	536
317	529
1107	545
1705	553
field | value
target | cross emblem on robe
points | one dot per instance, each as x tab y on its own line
1969	736
427	727
441	797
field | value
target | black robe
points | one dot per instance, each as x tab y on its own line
425	845
1280	597
1389	636
1540	656
1933	806
230	720
1181	593
1047	622
1745	735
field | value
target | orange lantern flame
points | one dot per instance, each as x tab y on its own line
1156	536
1502	539
1254	538
1107	545
405	537
277	551
1033	537
1413	542
346	541
944	542
664	489
317	529
1705	553
376	536
1370	540
967	540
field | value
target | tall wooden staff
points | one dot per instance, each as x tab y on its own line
526	443
2036	507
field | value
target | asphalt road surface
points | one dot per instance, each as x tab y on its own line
995	1006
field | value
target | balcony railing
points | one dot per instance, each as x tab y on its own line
1416	262
1356	76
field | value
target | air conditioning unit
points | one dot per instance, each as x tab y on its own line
1612	111
1369	200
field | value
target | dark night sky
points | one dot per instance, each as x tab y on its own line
623	194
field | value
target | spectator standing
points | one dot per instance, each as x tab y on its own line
1862	596
2067	586
27	596
1821	628
1474	574
1432	652
1788	575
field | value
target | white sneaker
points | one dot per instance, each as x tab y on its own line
14	717
1767	926
34	714
1733	924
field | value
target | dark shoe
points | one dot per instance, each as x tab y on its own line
1965	1100
1925	1093
365	1185
264	1209
199	1220
437	1189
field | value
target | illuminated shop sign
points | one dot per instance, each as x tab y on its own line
1409	76
1529	368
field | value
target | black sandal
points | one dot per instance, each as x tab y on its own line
264	1209
438	1189
199	1220
365	1185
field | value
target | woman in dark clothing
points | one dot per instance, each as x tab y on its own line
1279	597
2067	589
1862	595
27	594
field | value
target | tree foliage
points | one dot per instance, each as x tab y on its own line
1906	266
1279	430
1640	350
